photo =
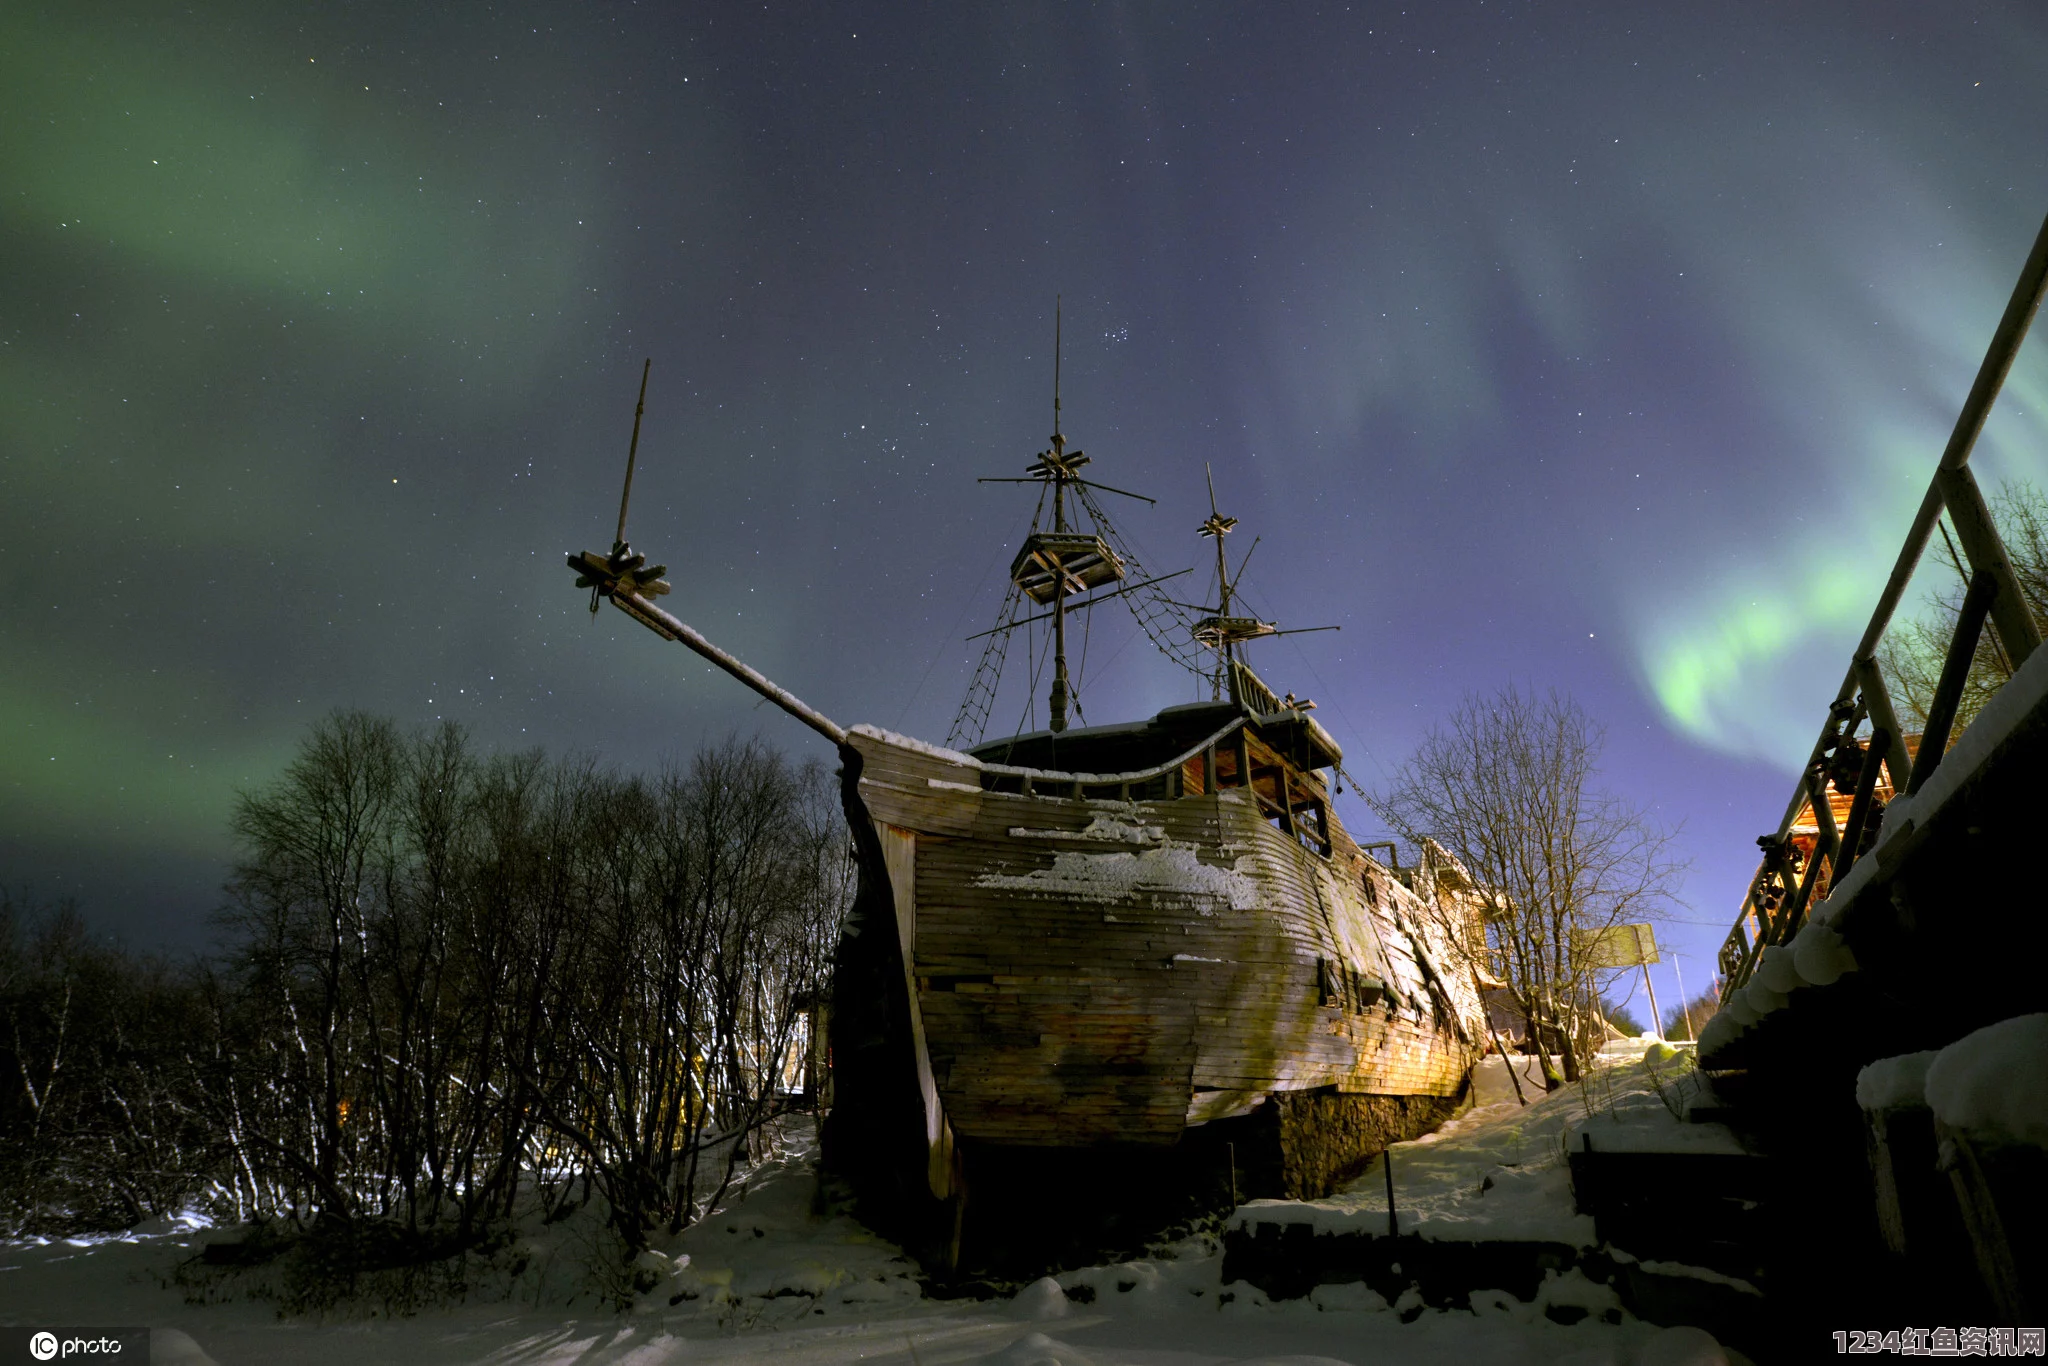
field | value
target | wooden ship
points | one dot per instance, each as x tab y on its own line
1100	979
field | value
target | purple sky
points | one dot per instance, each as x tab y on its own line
1600	347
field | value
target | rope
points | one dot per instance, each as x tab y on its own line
1167	624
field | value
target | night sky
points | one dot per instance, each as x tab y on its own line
1606	347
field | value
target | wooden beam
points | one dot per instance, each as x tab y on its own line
1955	671
1823	809
661	623
1859	807
2017	629
1998	357
1877	700
1795	905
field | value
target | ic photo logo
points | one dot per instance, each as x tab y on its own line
47	1346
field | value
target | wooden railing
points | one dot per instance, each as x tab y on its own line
1051	782
1252	692
1782	891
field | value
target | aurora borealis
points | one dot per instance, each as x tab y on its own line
1597	345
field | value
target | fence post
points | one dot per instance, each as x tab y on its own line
1859	806
2017	629
1877	700
1955	671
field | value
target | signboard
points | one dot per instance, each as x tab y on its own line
1620	946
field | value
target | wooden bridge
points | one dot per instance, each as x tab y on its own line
1899	907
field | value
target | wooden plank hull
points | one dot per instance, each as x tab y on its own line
1094	972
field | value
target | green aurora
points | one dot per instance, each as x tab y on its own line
1564	347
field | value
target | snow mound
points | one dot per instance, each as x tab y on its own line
1348	1297
1572	1290
1891	1083
1036	1349
1042	1299
1683	1346
1177	1277
1989	1084
768	1257
175	1347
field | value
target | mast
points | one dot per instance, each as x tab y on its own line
632	453
1065	559
1223	632
1056	707
1217	527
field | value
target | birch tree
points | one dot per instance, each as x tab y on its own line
1507	784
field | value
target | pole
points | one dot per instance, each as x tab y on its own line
1219	526
1684	1002
632	451
1060	690
662	624
1656	1020
1393	1227
1059	647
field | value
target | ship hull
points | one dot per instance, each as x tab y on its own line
1122	986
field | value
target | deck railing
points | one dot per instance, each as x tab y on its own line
1782	891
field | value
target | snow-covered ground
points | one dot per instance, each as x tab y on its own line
768	1280
1498	1172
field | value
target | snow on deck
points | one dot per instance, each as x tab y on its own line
915	745
1498	1173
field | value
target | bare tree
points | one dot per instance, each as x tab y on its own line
314	847
1507	785
448	979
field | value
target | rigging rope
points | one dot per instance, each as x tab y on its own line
970	723
1162	619
1165	622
